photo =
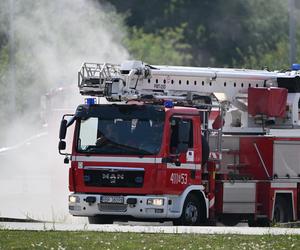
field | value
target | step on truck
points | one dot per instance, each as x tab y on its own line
191	145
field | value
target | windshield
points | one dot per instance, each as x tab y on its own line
120	136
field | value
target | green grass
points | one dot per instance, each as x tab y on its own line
97	240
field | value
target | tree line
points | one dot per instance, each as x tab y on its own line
231	33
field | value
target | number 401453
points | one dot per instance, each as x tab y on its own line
178	178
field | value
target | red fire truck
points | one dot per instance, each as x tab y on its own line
188	144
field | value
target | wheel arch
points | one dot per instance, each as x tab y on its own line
198	191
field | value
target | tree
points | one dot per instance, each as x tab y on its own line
164	47
273	60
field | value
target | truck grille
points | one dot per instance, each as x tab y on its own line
114	177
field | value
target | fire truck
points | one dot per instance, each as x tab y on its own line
191	145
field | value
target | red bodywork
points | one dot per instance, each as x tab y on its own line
267	101
255	154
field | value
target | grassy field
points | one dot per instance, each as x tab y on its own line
96	240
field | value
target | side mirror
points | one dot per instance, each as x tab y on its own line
63	129
61	145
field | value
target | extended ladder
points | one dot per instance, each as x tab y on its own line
134	80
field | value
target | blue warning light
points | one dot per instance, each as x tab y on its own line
90	101
168	104
296	66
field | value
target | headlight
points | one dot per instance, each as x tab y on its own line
74	199
155	201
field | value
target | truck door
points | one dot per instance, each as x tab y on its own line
181	167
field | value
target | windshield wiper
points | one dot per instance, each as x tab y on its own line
105	145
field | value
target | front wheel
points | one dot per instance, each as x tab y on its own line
191	212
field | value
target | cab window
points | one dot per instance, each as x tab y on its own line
181	134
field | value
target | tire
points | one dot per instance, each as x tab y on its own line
263	222
230	220
252	223
100	219
191	212
282	212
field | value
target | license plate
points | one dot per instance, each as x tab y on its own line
112	199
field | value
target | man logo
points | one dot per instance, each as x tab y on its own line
112	177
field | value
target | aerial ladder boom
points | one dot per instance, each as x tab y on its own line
134	80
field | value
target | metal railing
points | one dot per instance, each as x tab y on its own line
92	77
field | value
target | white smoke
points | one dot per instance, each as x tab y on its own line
53	38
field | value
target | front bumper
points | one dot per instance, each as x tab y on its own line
135	206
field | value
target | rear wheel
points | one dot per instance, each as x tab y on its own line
282	211
191	212
230	220
261	222
100	219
